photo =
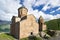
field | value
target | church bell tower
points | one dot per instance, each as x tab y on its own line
22	11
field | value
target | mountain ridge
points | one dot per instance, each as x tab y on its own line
53	24
4	22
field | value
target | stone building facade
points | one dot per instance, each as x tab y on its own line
23	25
42	25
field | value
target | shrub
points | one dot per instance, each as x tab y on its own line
51	33
32	38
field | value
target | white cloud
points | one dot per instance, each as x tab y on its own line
40	2
57	16
8	8
58	9
36	13
53	3
52	12
47	17
46	7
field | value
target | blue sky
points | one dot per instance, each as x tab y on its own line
48	9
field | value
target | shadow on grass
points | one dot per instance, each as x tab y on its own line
32	38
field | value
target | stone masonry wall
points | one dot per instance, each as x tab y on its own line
27	26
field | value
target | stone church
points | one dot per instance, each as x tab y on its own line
24	25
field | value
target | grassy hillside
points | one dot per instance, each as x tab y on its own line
5	28
4	36
53	24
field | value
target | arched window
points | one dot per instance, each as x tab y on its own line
31	33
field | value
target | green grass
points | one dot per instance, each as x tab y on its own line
4	36
32	38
